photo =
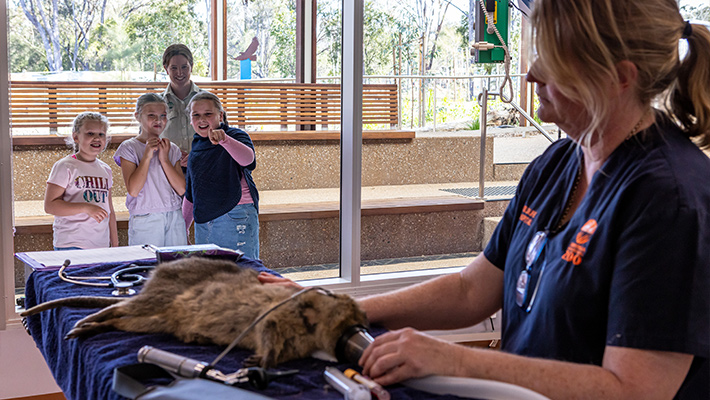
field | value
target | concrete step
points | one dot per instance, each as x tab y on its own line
301	227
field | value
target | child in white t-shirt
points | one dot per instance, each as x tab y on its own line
79	190
154	179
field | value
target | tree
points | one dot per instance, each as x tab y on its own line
112	48
160	24
428	17
82	15
283	33
64	28
46	22
26	52
382	29
267	20
700	12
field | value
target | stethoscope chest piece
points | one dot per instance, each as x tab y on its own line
123	289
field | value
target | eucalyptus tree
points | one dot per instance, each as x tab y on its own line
64	27
158	24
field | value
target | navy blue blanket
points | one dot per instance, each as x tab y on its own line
83	368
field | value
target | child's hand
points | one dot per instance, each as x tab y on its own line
151	146
96	212
216	136
183	159
163	149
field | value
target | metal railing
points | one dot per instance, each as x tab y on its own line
423	93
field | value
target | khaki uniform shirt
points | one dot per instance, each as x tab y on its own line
178	129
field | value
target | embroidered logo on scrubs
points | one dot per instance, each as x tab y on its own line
527	215
578	247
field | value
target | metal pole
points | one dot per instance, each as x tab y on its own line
351	141
7	285
532	121
482	159
435	105
422	100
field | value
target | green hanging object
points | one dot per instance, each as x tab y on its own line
500	11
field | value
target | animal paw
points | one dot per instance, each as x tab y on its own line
252	361
81	330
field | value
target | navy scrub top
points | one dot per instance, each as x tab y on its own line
630	268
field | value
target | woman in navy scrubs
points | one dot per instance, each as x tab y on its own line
601	262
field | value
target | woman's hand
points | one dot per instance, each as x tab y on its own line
267	278
407	353
216	136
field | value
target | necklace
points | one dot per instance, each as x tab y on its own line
570	200
577	178
636	127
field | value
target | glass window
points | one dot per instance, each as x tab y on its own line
103	41
271	24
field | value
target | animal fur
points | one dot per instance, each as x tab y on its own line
212	301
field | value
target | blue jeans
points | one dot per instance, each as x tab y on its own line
66	248
237	229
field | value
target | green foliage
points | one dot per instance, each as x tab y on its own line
131	38
161	24
328	38
25	51
474	125
379	37
462	31
700	12
284	60
273	23
113	49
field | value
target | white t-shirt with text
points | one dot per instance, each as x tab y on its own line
87	182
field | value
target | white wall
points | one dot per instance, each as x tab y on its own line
23	371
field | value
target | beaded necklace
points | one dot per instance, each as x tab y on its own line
577	178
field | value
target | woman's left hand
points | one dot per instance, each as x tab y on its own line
407	353
267	278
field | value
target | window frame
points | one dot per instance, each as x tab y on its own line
350	280
7	289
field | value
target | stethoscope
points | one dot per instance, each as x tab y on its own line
122	280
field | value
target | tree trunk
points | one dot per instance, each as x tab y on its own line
436	37
48	29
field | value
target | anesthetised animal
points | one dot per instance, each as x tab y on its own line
213	301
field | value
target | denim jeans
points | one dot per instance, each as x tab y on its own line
66	248
237	229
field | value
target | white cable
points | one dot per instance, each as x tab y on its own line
472	388
262	316
506	61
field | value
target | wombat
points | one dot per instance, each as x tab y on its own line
213	301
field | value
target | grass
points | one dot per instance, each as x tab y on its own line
474	125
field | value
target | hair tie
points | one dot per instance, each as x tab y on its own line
687	31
